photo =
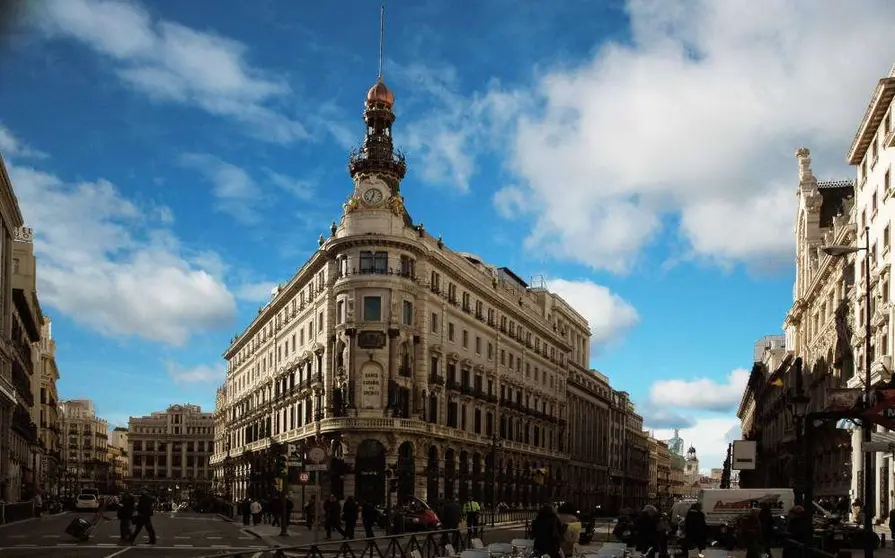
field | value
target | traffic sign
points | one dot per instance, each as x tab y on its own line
317	467
304	478
317	454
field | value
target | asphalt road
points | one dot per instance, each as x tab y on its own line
182	535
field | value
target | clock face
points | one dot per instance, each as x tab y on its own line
372	196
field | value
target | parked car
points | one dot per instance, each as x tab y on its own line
86	502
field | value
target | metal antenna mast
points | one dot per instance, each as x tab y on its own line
381	36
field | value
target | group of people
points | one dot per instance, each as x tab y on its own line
136	511
268	511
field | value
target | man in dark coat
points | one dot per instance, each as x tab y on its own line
452	513
350	512
125	515
144	518
369	515
332	512
695	530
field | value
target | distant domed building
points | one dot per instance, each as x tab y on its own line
691	472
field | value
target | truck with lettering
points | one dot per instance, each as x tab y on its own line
723	505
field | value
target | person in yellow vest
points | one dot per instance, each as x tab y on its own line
471	511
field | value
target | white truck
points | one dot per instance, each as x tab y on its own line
721	505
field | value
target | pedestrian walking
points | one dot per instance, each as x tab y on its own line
450	521
369	515
144	518
695	529
126	515
255	508
245	508
471	511
349	515
332	514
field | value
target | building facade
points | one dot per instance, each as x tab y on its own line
169	452
85	447
10	223
26	455
401	354
636	450
587	400
817	327
872	154
48	417
118	456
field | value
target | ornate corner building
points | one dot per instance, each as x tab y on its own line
417	361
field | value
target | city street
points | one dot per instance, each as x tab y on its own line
182	535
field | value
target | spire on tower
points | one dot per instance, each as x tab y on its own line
378	155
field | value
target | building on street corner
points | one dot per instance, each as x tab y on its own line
872	153
169	452
85	447
403	358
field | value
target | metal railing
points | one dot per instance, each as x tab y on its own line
429	544
16	512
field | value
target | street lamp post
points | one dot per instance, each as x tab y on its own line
798	402
869	489
495	444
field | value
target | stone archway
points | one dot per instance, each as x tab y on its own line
369	472
433	473
405	470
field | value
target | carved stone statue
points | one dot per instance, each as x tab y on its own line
396	205
349	310
346	353
805	173
395	317
350	205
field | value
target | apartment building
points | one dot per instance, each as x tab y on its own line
49	421
85	447
169	451
588	398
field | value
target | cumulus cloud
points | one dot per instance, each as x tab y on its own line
700	393
256	292
111	264
11	146
709	436
201	374
691	123
608	314
172	63
235	192
658	417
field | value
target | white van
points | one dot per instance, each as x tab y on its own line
721	505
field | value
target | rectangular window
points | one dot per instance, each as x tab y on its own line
408	312
450	332
372	309
380	262
465	339
340	311
478	345
366	262
434	322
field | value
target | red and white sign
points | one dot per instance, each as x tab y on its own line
303	478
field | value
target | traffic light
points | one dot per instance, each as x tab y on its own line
281	468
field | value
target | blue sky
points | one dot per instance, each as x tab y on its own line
176	159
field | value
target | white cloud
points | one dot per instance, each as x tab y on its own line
446	140
201	374
235	191
256	292
609	315
700	393
709	436
693	121
11	146
113	266
173	63
300	189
